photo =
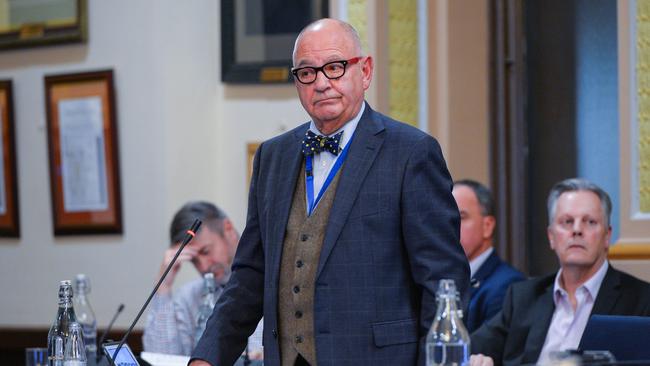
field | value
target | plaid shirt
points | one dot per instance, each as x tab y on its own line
171	321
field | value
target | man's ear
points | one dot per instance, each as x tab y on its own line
366	69
549	234
489	222
227	225
229	231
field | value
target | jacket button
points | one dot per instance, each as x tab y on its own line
275	333
298	339
296	289
299	263
298	314
304	237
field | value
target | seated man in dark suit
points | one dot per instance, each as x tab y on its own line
491	276
549	314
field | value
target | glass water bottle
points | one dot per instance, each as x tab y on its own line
448	342
60	329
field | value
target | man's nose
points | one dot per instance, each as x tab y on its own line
577	228
321	82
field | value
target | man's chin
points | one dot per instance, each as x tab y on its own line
220	273
579	262
327	115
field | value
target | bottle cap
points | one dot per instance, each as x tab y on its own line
446	286
65	289
82	284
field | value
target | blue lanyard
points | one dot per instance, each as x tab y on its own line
309	181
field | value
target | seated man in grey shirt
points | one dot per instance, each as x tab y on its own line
172	318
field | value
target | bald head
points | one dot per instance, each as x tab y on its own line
331	102
333	26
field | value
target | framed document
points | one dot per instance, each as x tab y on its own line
84	167
9	222
257	37
38	23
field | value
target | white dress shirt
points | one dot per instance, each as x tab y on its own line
322	163
477	262
567	325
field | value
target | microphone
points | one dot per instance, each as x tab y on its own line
191	233
108	329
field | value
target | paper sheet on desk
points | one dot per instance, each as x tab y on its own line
160	359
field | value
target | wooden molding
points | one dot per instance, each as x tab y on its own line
629	251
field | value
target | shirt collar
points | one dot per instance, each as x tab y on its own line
592	285
477	262
348	128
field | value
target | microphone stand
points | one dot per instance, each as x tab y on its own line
98	356
190	235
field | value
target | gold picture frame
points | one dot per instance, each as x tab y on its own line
42	23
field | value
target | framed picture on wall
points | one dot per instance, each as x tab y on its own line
83	153
9	218
257	37
41	23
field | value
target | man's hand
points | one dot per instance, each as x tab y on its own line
199	363
187	255
480	360
257	354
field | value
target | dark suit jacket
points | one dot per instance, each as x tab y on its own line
392	233
516	335
488	289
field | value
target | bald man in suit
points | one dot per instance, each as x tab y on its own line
351	223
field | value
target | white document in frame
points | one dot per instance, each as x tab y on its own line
3	190
83	163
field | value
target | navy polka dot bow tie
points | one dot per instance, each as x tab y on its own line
314	144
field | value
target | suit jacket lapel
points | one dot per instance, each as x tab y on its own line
286	183
543	312
608	294
363	151
484	271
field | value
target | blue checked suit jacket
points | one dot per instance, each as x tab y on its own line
392	234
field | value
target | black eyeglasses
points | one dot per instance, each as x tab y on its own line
331	70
